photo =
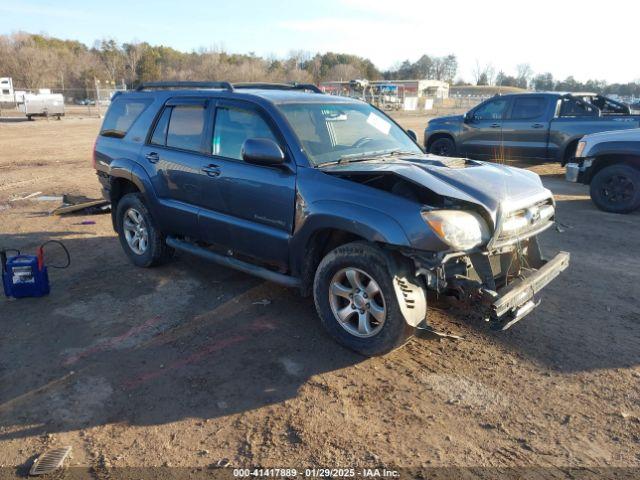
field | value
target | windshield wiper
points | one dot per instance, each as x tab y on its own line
402	152
358	157
362	157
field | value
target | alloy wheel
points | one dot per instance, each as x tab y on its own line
135	231
357	303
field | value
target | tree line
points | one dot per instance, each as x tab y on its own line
39	61
526	78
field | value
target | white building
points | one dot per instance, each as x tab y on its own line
6	90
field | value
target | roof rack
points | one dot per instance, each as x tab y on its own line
279	86
194	85
229	86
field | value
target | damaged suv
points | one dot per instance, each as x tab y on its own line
325	194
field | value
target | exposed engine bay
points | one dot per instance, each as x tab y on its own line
506	264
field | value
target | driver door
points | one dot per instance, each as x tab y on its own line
481	135
258	200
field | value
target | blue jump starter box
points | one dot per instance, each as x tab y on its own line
25	276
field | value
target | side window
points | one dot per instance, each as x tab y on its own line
528	108
235	125
493	110
186	127
122	113
159	136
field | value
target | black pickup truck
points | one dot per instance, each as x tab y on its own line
609	162
527	126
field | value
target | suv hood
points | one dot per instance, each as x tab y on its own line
492	186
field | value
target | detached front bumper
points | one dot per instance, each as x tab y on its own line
516	300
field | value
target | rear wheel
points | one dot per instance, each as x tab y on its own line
443	147
356	302
616	189
140	239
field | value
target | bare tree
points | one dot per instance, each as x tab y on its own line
344	72
133	53
484	74
112	58
524	74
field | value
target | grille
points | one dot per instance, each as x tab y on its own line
522	223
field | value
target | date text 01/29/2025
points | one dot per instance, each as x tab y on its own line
315	473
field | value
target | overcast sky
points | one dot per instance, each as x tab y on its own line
586	39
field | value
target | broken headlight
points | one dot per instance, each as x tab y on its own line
459	229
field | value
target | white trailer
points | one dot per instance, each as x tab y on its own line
41	104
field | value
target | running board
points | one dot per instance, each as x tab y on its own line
234	263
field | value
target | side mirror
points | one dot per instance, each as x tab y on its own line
413	135
468	117
262	151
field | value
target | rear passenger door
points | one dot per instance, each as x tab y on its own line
173	156
258	200
525	130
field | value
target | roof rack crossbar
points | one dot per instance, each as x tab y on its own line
229	86
194	85
279	86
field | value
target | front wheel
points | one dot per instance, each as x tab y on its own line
443	147
356	301
616	189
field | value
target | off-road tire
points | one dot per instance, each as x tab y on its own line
599	186
444	147
368	258
157	251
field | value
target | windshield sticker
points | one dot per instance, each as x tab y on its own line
379	123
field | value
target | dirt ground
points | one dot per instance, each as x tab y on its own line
192	364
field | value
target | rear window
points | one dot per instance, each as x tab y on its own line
121	115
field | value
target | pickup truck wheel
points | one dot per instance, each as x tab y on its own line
141	240
443	147
616	189
356	302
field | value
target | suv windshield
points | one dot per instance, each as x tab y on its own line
330	132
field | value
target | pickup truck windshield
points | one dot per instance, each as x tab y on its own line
330	132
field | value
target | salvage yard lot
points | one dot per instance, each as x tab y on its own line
191	364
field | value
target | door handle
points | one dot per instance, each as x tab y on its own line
153	157
537	125
212	170
495	125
